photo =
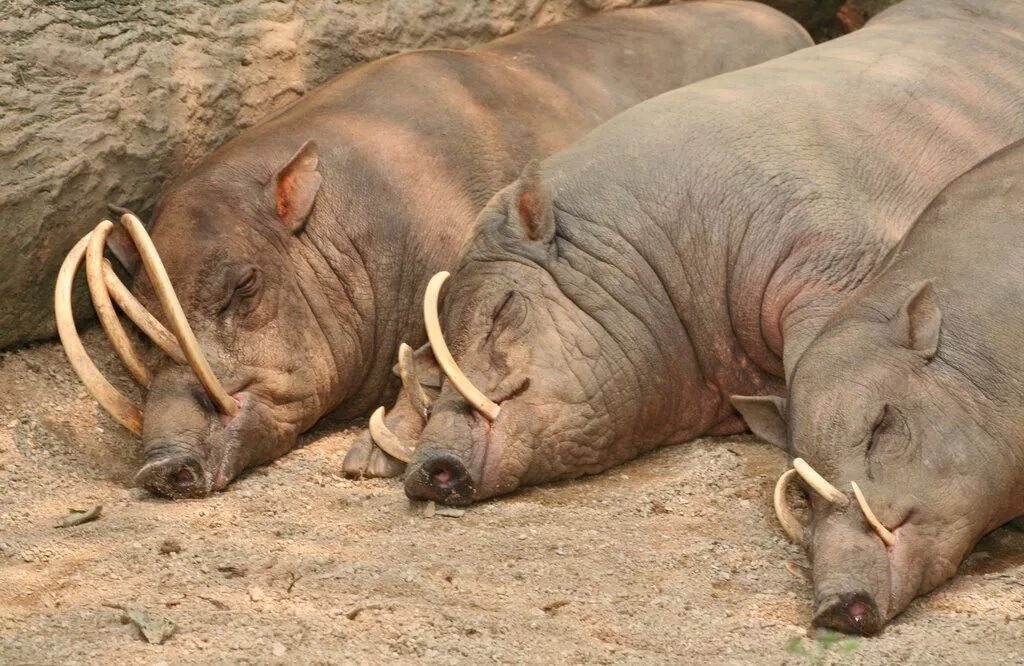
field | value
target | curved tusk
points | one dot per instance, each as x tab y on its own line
819	484
176	316
411	383
118	406
387	440
472	394
884	534
140	316
790	524
105	308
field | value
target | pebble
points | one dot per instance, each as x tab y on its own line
257	594
278	649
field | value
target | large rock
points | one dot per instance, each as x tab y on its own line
104	101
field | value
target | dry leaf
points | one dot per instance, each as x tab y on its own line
79	516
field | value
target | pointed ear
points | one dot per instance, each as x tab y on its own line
294	187
919	320
765	416
120	242
532	210
427	369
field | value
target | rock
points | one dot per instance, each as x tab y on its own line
278	649
90	118
257	594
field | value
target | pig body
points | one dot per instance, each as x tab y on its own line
913	390
299	248
690	248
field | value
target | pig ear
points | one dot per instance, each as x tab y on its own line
919	320
427	369
533	211
295	185
120	242
765	416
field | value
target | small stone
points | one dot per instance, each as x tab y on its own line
429	509
257	594
170	546
278	649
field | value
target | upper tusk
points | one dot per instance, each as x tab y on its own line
819	484
387	440
140	316
176	316
118	406
105	308
888	537
472	394
411	383
790	524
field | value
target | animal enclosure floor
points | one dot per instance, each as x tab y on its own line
675	558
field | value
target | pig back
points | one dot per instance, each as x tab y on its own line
745	193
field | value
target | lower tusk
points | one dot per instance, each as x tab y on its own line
471	393
105	308
884	534
140	316
118	406
176	316
819	484
387	440
410	382
790	524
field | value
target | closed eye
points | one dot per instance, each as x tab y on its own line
246	286
882	423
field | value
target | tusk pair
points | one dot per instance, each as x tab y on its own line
105	289
388	441
379	432
471	393
794	528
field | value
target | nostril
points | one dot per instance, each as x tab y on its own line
441	477
184	477
854	613
174	476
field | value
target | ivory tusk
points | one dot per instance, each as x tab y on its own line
411	383
884	534
819	484
118	406
790	524
471	393
387	440
140	316
176	316
105	308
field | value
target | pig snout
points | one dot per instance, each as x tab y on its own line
852	572
173	470
441	477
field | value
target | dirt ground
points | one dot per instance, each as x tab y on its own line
675	558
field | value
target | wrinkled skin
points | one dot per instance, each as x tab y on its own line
300	249
912	391
615	301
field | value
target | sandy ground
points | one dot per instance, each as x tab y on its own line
675	558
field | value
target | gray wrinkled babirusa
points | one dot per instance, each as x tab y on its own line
691	248
913	390
300	249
